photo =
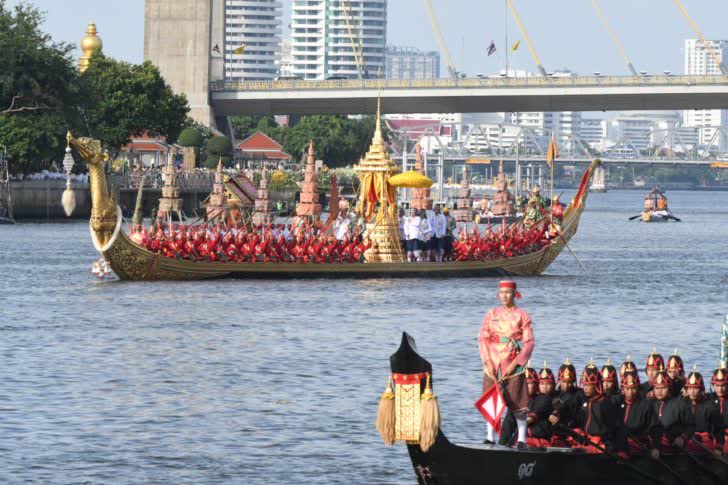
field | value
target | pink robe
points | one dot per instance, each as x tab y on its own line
506	335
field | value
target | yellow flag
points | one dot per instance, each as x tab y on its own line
515	46
552	153
239	50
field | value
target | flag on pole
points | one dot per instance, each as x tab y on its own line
515	46
239	50
552	153
492	406
491	48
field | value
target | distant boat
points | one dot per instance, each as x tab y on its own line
598	184
655	208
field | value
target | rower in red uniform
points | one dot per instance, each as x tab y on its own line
720	398
709	428
506	342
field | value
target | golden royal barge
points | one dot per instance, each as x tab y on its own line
131	261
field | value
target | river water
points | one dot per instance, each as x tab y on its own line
278	382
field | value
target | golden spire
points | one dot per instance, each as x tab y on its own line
90	44
378	139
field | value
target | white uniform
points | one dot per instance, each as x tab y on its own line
425	230
412	227
440	226
341	228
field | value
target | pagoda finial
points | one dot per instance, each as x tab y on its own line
219	165
311	153
90	44
378	130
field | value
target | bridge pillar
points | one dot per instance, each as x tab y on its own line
185	39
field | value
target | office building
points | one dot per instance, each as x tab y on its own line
252	39
338	39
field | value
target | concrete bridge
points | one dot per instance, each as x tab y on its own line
470	95
184	37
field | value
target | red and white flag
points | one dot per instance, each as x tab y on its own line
492	406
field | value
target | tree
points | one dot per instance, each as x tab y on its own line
217	147
36	90
338	140
191	137
121	100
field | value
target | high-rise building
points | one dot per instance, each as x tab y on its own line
286	63
252	39
711	123
411	63
593	132
336	38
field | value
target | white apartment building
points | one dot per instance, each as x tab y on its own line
699	61
563	125
335	38
593	132
411	63
286	62
489	136
254	26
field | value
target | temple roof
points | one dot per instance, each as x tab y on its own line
261	146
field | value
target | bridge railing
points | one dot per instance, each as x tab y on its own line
501	82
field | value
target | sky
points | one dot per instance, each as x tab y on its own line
565	33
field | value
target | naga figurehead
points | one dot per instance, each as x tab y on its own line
103	205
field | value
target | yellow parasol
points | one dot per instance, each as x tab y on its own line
411	180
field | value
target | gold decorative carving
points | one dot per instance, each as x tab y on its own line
407	412
103	206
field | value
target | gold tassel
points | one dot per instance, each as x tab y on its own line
68	201
385	415
429	418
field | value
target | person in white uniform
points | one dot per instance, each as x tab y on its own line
424	236
411	231
341	226
440	231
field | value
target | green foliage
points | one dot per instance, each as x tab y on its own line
246	125
338	140
219	145
121	100
191	137
36	90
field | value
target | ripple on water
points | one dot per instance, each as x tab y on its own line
278	382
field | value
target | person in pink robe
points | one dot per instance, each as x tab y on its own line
506	343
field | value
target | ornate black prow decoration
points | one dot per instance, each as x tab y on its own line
406	360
